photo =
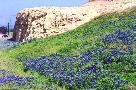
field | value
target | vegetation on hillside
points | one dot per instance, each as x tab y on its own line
100	54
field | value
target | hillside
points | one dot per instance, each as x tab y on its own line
100	54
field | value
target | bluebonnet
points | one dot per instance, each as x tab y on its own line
122	43
7	43
59	70
125	37
86	69
17	82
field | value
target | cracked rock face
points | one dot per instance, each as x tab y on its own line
41	22
47	21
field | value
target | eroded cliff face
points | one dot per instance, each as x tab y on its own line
41	22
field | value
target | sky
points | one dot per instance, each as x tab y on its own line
9	8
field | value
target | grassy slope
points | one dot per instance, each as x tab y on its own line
87	35
70	43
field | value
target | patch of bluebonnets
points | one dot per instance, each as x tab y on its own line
86	69
6	77
75	71
7	43
126	37
18	82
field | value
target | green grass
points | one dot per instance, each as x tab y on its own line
71	43
85	36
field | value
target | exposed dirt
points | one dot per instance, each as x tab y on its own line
104	6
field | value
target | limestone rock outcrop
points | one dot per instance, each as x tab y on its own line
41	22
